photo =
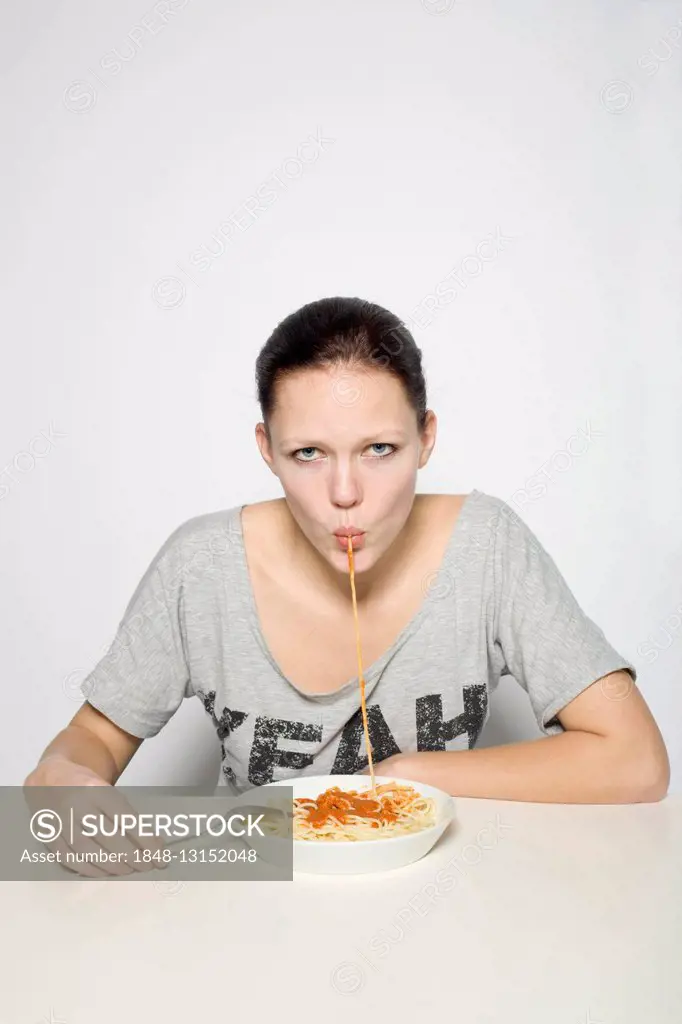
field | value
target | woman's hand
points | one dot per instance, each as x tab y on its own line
92	795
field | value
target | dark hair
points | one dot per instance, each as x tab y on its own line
341	330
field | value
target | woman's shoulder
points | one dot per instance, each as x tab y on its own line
209	531
476	503
485	518
229	525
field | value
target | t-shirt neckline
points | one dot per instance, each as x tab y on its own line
371	672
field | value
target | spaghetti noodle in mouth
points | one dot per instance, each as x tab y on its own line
382	812
361	678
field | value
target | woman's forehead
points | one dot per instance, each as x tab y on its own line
336	390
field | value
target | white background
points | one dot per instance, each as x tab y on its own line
127	140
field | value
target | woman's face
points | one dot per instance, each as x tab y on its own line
345	445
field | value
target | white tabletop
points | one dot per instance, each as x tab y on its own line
554	915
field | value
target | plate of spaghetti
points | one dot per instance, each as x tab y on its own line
342	824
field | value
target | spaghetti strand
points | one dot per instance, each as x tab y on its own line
382	812
361	678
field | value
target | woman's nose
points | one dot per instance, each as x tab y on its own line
345	489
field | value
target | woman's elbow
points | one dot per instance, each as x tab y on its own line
653	777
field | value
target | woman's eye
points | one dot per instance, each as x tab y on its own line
380	450
305	454
383	447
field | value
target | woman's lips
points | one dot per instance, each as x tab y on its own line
357	540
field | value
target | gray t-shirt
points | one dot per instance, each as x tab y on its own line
498	604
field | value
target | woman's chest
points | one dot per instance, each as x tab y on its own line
315	645
428	693
308	625
318	652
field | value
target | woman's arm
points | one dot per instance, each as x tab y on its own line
91	740
611	752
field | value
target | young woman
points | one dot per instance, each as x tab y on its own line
249	609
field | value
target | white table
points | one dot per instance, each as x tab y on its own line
557	915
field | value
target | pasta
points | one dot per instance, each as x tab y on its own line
384	812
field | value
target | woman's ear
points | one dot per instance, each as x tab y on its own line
264	445
428	438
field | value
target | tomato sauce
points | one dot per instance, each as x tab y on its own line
338	804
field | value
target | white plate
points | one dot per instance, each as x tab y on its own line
366	855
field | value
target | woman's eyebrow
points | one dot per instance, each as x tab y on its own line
295	442
310	442
387	431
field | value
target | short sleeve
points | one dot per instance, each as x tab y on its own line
550	646
143	678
